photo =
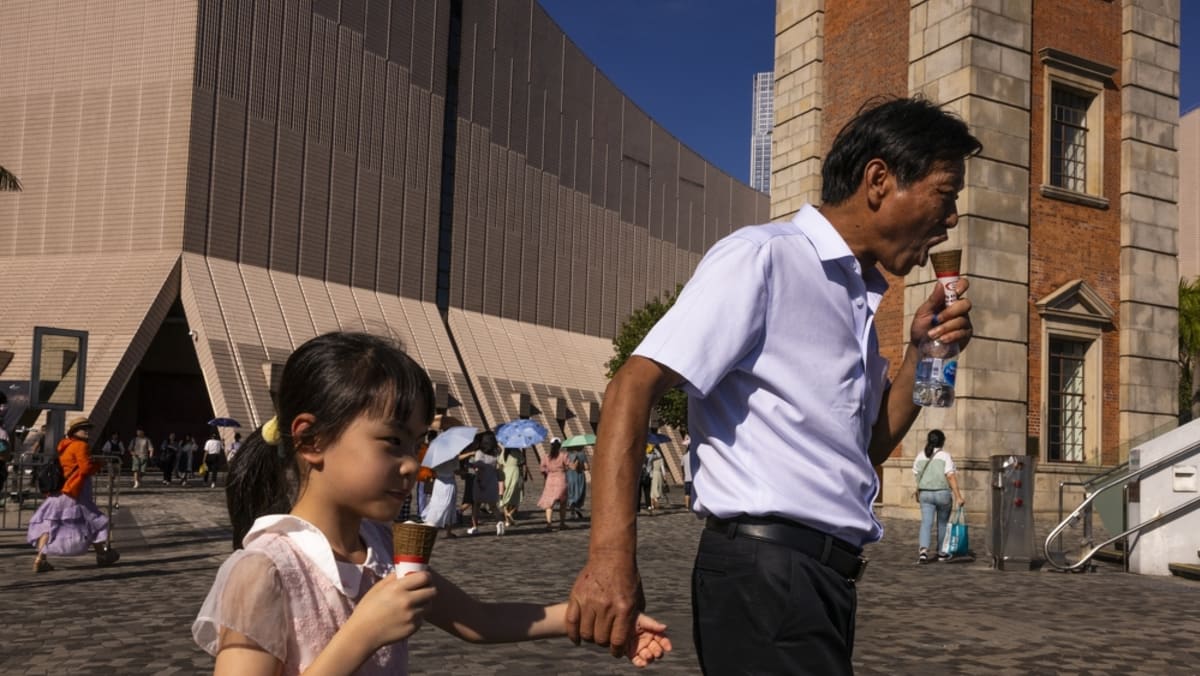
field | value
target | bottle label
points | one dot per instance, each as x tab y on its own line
949	370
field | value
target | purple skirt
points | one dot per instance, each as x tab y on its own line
73	525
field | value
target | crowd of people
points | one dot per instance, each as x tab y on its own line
180	459
493	481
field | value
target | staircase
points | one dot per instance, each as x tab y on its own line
1189	570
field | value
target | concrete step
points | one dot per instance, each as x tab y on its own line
1189	570
1110	555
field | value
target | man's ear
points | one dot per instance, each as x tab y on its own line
877	181
303	440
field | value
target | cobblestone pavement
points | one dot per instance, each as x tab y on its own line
134	618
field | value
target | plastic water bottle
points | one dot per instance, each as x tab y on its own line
934	384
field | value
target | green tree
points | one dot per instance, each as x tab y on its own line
8	181
672	408
1189	347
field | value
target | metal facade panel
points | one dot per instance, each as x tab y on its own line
425	22
254	248
400	32
348	88
344	307
433	199
267	310
242	342
286	202
375	39
320	307
493	245
529	213
577	247
296	317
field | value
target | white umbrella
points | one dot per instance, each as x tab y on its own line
446	447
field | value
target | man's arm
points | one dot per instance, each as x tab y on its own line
897	413
605	600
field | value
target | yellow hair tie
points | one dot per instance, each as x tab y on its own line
270	431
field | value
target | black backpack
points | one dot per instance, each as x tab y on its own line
49	475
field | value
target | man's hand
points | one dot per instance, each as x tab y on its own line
604	604
947	323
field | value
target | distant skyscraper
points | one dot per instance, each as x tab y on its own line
760	141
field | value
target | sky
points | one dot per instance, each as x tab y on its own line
689	63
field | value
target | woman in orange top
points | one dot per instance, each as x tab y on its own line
68	522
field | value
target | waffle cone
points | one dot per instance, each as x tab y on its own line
946	262
413	539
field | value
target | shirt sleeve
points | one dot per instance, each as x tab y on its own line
949	462
247	597
717	319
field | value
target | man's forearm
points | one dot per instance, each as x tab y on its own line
898	412
620	452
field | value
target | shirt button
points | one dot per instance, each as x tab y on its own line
858	302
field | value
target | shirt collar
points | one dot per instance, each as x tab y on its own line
830	246
346	578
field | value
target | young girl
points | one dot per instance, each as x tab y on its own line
312	591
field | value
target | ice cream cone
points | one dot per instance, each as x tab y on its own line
412	546
945	266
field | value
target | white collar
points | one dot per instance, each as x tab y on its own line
345	577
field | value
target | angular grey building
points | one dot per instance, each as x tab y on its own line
210	183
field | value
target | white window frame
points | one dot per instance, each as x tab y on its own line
1088	79
1076	312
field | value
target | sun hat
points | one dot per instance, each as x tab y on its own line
77	423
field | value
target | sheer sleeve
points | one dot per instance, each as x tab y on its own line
247	597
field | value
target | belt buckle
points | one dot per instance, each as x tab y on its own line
862	568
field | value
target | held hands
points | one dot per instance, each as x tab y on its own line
652	642
393	609
604	604
947	323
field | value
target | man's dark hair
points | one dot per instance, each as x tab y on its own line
910	135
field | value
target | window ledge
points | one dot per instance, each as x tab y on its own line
1056	193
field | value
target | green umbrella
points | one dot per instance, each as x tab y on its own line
579	440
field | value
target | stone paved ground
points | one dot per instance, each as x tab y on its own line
134	618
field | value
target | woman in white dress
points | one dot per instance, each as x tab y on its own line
439	511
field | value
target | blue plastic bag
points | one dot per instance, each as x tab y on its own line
957	540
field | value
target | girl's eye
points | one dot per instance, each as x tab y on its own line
401	446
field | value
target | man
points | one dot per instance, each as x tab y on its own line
113	446
790	407
141	449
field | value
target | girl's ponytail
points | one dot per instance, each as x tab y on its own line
260	482
934	440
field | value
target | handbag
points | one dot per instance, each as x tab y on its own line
957	538
203	468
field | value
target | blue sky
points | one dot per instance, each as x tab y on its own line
689	63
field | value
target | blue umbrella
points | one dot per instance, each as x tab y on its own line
224	422
520	433
656	438
446	447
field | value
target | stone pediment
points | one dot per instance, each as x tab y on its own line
1078	301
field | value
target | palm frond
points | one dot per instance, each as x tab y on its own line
9	181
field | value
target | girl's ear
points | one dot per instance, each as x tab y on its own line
303	440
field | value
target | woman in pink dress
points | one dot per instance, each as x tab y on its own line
554	469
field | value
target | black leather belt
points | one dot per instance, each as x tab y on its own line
844	559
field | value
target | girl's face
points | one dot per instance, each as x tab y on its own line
372	466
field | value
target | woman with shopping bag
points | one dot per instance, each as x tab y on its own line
936	485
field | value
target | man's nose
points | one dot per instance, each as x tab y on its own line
952	217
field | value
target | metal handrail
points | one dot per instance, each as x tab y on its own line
1120	481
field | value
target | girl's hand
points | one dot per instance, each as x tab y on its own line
652	642
393	609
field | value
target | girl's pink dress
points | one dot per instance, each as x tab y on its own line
287	593
555	489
